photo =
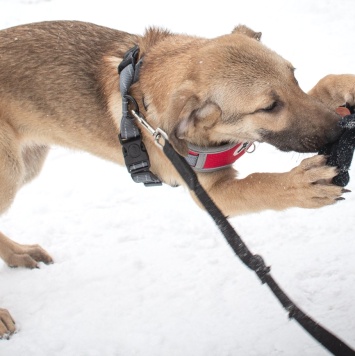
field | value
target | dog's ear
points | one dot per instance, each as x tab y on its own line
244	30
190	118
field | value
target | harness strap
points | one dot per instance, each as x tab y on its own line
134	151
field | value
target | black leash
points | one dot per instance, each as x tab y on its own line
254	262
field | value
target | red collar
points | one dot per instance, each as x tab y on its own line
207	159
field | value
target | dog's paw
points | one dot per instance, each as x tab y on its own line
28	256
310	183
7	324
335	90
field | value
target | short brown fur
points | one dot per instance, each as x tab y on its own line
59	85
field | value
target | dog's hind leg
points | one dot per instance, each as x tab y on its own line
17	166
33	157
16	255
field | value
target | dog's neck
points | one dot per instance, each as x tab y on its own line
151	38
202	159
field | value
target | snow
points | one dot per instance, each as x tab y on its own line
143	271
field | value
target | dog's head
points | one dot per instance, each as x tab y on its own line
231	89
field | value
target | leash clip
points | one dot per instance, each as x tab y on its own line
158	133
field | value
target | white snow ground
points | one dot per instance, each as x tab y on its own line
143	271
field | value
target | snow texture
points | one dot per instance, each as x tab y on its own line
144	272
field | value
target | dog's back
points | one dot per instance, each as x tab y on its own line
49	72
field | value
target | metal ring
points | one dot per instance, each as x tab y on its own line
253	148
132	101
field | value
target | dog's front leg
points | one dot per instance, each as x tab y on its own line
335	90
16	255
305	186
7	324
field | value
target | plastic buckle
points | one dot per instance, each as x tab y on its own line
137	161
134	153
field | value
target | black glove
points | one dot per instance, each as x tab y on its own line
340	153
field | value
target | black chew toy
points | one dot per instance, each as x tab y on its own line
340	153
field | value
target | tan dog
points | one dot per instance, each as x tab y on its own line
59	85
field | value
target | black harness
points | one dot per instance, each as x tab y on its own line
134	151
137	162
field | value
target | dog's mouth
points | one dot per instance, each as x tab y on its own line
289	141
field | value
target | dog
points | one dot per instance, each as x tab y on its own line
59	85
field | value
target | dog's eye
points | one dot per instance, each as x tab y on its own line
271	107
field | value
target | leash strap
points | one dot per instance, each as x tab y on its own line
134	151
254	262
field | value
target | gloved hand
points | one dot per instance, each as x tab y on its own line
340	153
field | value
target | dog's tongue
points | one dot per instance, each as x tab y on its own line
347	114
342	111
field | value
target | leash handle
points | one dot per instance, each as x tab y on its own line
255	262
